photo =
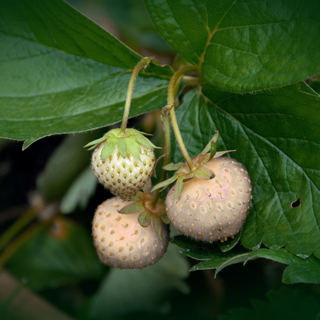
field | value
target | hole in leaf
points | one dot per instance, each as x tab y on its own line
295	203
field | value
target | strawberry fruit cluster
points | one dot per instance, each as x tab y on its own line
209	201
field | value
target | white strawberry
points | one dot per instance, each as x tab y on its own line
123	162
122	242
212	209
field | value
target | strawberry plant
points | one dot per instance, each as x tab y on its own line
204	118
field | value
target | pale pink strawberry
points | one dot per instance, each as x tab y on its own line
122	242
212	209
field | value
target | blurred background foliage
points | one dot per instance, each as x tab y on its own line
48	264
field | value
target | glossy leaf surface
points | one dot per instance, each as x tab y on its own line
274	133
244	45
61	73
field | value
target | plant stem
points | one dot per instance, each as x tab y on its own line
167	147
174	82
15	245
26	217
192	81
143	63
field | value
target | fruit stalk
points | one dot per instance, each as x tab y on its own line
174	82
142	64
192	81
167	147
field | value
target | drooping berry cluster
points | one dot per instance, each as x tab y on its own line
127	234
209	201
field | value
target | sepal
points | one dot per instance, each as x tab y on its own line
109	147
131	208
133	147
173	166
157	222
144	218
145	141
165	183
148	213
212	145
165	219
221	153
126	142
122	146
179	187
204	172
94	143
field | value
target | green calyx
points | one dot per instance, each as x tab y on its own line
201	171
126	142
147	213
183	174
211	146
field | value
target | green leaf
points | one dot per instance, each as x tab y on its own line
80	192
61	73
144	218
304	270
299	270
146	291
230	243
65	165
173	21
202	250
233	260
275	132
56	257
245	45
285	304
